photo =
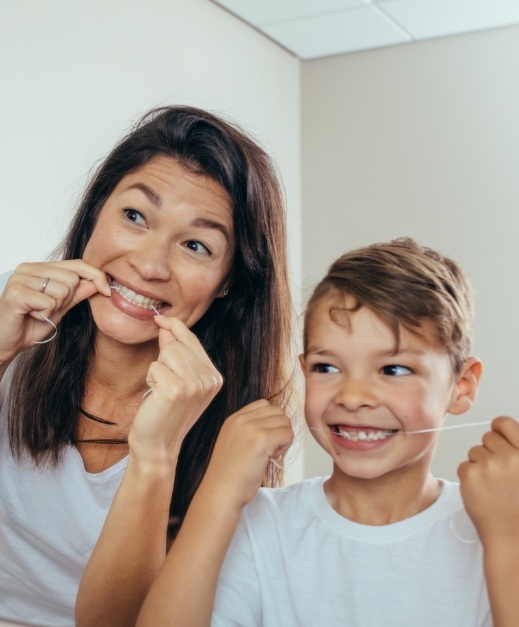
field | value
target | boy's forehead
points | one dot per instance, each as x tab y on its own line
340	309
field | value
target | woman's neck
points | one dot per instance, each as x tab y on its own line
119	371
113	394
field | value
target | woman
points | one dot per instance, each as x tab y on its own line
180	241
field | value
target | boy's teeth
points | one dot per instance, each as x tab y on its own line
134	298
368	436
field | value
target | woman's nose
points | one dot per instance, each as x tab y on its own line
153	260
356	394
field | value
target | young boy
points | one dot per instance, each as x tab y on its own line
381	542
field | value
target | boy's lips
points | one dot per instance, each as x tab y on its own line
135	298
362	434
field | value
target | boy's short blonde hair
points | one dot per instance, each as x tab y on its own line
405	284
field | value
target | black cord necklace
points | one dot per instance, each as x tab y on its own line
104	422
96	418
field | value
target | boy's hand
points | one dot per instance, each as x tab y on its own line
248	441
489	483
183	381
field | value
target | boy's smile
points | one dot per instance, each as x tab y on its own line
363	393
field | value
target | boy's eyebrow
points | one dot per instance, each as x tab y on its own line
394	352
317	351
398	351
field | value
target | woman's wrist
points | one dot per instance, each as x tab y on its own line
151	466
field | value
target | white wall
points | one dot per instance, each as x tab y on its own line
75	75
423	140
419	139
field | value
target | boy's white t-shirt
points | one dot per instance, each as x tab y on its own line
295	562
50	520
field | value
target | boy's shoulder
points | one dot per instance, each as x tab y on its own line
302	494
307	499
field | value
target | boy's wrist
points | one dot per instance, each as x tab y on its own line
220	495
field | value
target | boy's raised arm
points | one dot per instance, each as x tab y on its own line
183	593
489	484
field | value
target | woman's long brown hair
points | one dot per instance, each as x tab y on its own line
246	334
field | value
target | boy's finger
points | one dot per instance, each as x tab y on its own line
508	427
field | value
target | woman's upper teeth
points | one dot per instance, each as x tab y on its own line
134	298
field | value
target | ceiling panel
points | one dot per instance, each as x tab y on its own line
260	12
317	28
427	18
337	33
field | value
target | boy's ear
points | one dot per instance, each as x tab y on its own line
466	386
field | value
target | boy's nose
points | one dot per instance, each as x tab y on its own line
356	394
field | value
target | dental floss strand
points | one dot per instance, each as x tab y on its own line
444	428
150	390
155	311
49	339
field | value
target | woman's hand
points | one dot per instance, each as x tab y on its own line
489	483
183	382
51	289
248	441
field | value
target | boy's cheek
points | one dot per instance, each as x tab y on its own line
313	411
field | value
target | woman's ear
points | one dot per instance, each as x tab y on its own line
467	383
224	291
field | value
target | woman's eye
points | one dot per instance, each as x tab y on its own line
396	371
325	368
135	216
197	247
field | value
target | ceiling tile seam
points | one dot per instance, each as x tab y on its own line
257	28
302	18
385	15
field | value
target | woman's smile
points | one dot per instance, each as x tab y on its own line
165	239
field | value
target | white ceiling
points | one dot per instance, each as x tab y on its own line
319	28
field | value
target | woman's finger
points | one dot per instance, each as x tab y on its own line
181	333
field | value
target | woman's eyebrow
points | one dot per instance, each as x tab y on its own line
148	192
205	223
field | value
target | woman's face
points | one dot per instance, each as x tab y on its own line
165	239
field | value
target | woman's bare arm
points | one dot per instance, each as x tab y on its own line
132	544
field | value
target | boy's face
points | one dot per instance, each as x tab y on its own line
362	398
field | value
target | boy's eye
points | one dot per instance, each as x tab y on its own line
135	216
395	370
325	368
197	247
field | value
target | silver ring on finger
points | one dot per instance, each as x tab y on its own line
44	285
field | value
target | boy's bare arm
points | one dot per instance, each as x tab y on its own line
183	593
490	490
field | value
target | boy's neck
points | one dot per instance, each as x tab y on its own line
382	501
